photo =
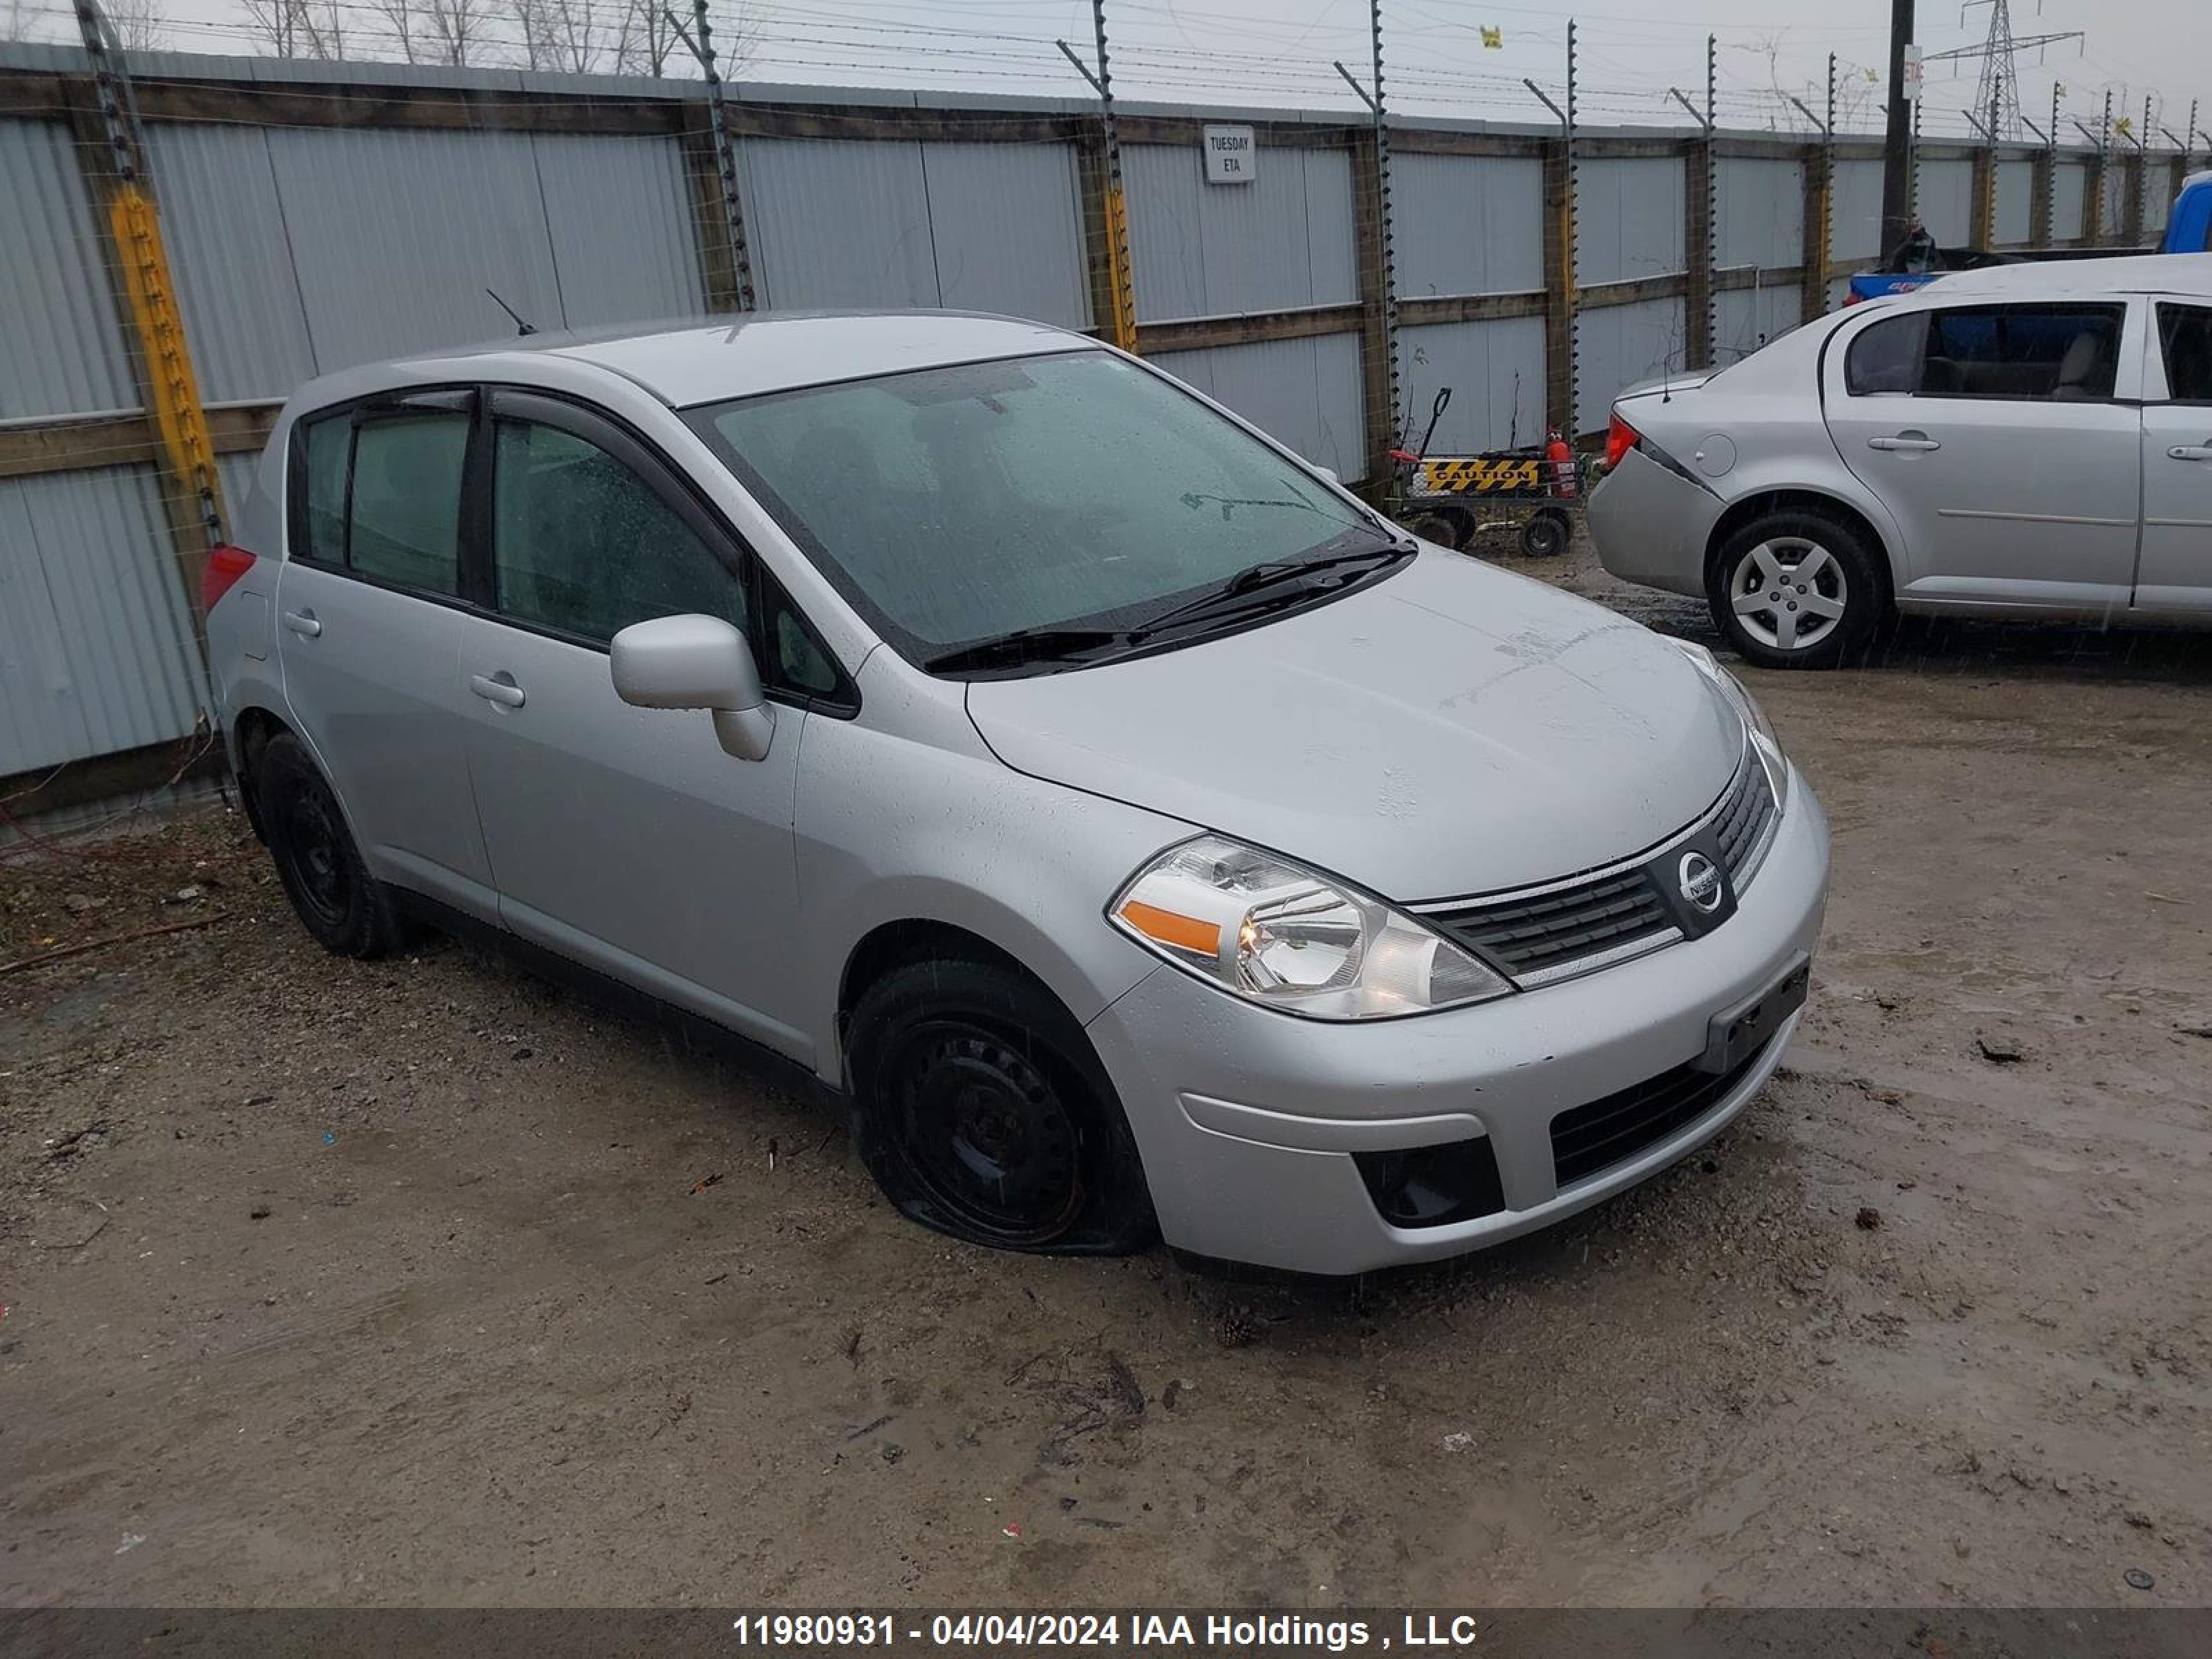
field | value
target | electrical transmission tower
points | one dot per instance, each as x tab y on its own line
1996	97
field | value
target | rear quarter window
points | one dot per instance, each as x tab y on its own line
1885	357
329	447
2041	352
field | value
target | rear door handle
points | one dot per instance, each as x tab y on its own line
2191	451
1912	443
303	623
497	688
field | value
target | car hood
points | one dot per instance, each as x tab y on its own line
1449	730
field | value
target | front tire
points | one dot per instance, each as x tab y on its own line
983	1113
1798	589
346	909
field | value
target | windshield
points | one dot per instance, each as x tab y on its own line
961	505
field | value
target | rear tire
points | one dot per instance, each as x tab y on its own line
348	910
983	1113
1799	588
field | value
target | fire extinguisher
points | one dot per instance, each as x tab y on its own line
1561	461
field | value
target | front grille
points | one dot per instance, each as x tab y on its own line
1527	936
1742	821
1594	1137
1580	924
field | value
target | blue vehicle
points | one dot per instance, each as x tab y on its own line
2189	226
1918	261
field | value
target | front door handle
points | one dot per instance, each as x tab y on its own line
303	623
1911	443
2191	451
498	688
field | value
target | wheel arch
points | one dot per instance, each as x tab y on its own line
892	944
1759	503
250	733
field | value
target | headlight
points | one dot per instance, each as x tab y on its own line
1275	932
1756	725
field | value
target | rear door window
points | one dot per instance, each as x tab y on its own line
403	518
378	493
2184	338
2047	353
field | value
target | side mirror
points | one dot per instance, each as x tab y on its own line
696	662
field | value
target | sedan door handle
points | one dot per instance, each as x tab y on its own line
500	688
2191	451
303	623
1912	443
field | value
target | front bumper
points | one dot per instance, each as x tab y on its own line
1650	525
1248	1119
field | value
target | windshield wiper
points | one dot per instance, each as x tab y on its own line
1256	578
1027	645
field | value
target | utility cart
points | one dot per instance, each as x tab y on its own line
1441	495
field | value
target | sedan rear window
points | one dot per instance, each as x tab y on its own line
2042	352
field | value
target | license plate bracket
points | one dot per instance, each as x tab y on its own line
1733	1035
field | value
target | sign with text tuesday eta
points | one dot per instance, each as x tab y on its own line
1229	156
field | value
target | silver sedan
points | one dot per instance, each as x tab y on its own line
2027	442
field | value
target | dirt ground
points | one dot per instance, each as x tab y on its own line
419	1282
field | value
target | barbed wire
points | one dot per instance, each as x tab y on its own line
931	43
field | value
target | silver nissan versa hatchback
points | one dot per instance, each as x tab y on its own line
1129	830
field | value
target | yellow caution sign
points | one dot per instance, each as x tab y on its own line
1514	474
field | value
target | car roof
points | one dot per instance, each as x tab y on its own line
709	360
2152	273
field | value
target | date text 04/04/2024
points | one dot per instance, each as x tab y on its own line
1418	1631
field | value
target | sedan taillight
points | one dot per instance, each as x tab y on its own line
1619	439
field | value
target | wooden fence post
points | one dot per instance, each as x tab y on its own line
1559	294
1820	229
1701	251
111	153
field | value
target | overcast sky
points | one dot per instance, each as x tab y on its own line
1278	53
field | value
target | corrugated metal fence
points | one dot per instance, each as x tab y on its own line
312	224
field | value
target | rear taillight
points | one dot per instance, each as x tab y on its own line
1619	439
1852	296
225	565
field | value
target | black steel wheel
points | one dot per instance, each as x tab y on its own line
346	908
985	1132
983	1113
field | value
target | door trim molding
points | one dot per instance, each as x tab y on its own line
2034	518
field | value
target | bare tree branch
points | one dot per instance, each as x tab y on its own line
456	30
570	35
298	28
644	39
138	24
405	17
